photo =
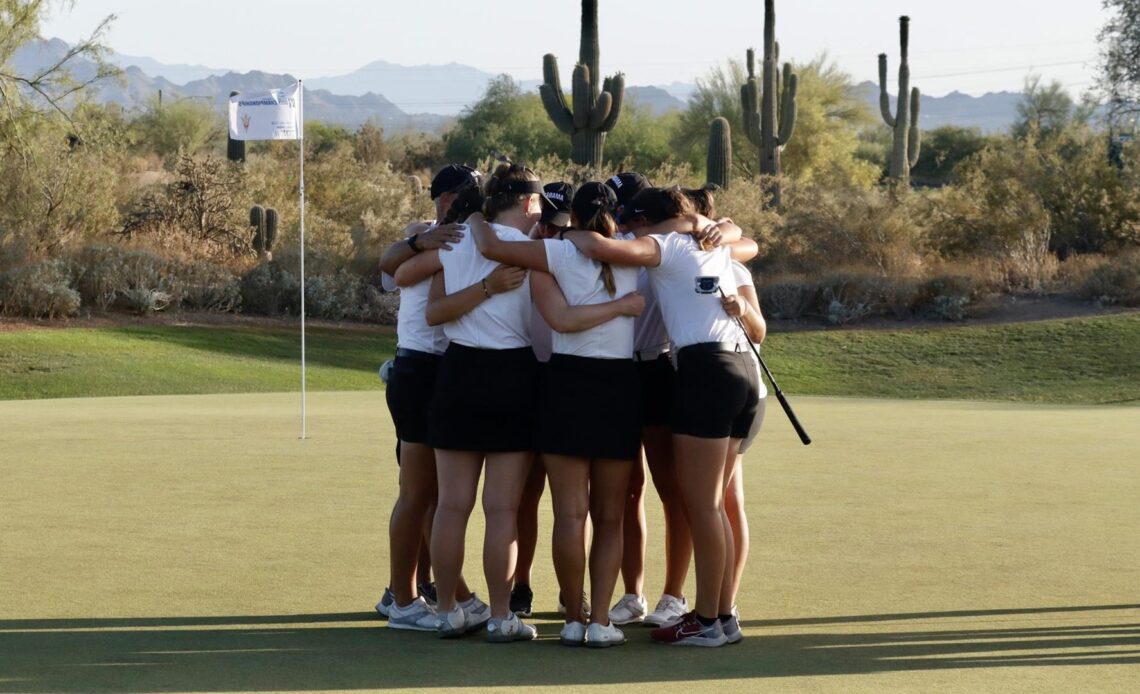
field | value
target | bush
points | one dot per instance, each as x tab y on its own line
113	276
269	290
39	291
204	286
946	297
788	298
1115	282
848	297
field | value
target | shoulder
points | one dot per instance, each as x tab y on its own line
742	275
507	233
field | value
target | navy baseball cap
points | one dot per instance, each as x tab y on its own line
453	178
626	185
558	195
592	197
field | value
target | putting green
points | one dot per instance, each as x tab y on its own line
193	543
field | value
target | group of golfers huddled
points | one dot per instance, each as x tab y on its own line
548	332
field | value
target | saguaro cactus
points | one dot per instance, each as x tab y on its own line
235	149
718	166
594	112
264	223
769	117
907	137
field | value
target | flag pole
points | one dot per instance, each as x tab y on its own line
301	190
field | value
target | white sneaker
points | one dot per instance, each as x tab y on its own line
585	606
452	624
475	612
669	611
386	603
509	629
598	636
731	630
573	634
416	616
630	609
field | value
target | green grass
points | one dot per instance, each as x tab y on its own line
194	544
1085	360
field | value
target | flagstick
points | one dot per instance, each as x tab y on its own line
301	139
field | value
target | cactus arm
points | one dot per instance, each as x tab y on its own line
601	111
615	87
750	61
582	96
553	98
788	110
556	108
914	139
719	160
884	98
750	102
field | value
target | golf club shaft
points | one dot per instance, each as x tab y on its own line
771	379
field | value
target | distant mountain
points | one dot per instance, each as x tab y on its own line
443	89
176	74
991	113
656	98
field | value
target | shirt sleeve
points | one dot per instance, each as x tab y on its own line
556	256
742	275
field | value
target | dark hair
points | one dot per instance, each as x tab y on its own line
598	202
498	200
702	200
467	201
659	204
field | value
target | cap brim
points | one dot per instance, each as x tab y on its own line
555	218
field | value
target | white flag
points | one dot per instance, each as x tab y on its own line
272	116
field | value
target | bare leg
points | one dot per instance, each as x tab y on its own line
728	583
458	472
528	520
678	540
506	477
734	507
405	530
700	471
609	482
570	494
633	533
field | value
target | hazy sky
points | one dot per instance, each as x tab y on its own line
973	46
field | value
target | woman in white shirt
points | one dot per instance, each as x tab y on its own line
714	397
589	432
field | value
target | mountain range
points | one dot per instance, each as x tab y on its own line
424	97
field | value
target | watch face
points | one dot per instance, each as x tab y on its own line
707	285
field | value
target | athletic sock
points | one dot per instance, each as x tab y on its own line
724	618
706	621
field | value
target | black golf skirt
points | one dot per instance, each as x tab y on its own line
589	408
410	389
716	392
484	400
656	383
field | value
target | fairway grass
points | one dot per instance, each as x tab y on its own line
193	543
1092	360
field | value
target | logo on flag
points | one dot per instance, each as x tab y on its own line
272	116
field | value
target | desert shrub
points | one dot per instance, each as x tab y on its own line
1116	281
788	298
829	227
848	297
269	290
39	291
203	286
115	276
946	297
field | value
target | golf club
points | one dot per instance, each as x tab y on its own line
779	393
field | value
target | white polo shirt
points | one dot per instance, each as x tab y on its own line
580	280
693	316
744	279
649	331
412	330
501	322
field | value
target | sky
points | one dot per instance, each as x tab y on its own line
971	46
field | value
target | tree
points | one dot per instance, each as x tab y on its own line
1047	109
827	120
186	126
50	86
943	149
1119	80
504	121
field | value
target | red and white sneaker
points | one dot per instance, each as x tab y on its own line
690	632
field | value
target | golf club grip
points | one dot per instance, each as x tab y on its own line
792	416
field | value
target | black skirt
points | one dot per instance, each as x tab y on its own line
656	384
410	389
484	400
589	408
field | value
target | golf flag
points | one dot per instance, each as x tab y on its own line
275	115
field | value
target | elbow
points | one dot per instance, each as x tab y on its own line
433	318
389	267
